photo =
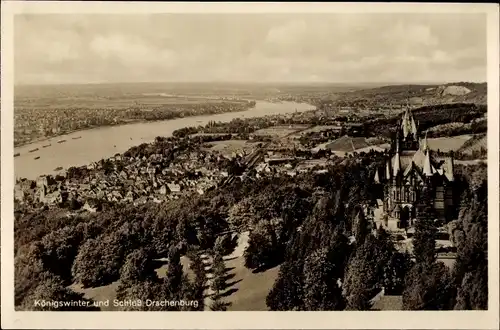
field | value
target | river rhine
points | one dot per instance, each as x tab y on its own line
104	142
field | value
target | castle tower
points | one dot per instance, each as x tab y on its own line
408	127
396	166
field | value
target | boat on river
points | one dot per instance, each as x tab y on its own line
61	141
38	157
47	145
58	168
76	138
33	150
16	154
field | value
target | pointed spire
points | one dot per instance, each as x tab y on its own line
396	167
376	179
397	142
425	145
405	125
413	127
428	169
448	172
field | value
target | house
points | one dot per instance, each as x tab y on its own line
164	190
129	196
53	198
19	193
263	167
42	181
173	187
141	200
383	302
90	206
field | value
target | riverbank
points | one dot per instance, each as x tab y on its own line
104	142
124	121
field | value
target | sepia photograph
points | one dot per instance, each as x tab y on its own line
229	158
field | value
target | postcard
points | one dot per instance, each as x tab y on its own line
249	165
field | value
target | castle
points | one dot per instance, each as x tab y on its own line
411	167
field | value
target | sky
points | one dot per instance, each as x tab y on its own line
295	48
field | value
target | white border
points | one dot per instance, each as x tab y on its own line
247	320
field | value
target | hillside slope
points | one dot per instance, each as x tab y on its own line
419	95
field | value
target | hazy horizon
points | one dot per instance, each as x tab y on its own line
327	48
258	83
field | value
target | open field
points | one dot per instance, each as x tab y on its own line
347	144
246	291
227	147
448	143
279	131
321	128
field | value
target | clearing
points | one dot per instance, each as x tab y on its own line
245	290
279	131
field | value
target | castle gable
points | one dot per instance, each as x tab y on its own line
413	175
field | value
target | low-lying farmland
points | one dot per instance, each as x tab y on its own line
227	147
278	131
448	143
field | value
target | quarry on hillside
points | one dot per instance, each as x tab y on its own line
453	90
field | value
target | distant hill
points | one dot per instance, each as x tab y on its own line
419	95
470	115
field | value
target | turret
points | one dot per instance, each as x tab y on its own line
396	166
425	144
405	125
428	169
413	128
376	179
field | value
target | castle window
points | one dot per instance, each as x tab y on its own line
398	195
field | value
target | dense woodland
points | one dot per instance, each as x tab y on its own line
302	223
430	116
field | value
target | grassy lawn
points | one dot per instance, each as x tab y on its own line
246	291
252	289
348	144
